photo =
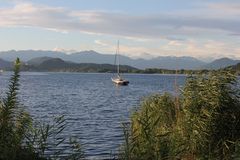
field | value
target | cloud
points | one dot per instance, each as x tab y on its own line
200	49
189	32
229	8
101	43
157	26
68	51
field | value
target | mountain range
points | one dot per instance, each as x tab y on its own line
5	64
221	63
57	64
36	57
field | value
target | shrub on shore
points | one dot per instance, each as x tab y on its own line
203	122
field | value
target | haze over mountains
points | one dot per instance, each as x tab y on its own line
35	57
221	63
94	57
5	64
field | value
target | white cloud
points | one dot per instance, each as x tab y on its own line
180	29
227	8
209	48
101	43
159	26
68	51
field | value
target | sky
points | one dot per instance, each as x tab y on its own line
205	29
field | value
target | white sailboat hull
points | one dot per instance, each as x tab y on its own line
120	81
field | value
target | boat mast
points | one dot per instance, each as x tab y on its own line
118	58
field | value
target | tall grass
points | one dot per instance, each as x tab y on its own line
205	124
23	138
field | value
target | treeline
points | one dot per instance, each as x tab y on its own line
108	68
167	71
104	68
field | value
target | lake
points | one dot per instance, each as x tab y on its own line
93	106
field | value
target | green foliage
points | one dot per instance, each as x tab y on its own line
147	136
202	123
47	140
213	114
14	121
76	150
23	138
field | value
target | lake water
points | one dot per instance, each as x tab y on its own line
93	106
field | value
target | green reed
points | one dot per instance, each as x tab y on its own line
203	122
21	137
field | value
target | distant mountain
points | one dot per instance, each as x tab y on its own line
5	64
95	57
57	64
159	62
170	62
221	63
54	64
26	55
37	61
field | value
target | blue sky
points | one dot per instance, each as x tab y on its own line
146	28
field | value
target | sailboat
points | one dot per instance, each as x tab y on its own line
119	80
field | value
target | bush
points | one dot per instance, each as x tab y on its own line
202	123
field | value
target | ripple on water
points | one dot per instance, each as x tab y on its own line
93	107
